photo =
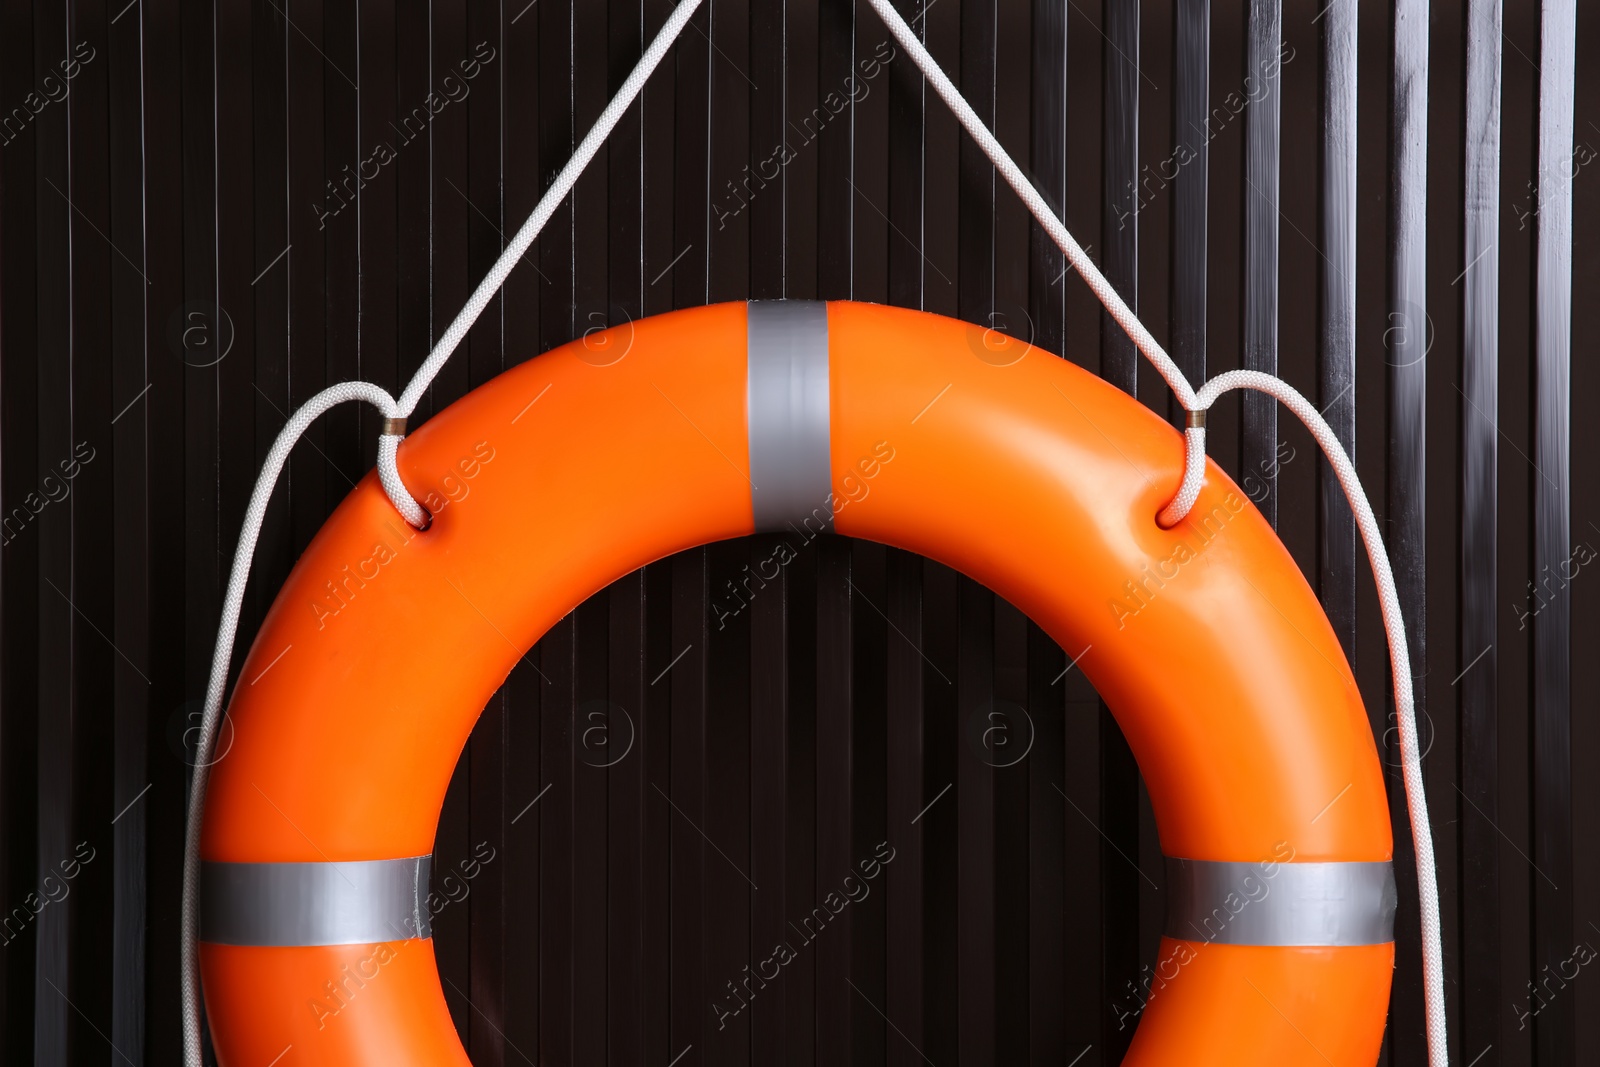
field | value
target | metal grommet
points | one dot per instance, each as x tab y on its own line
1195	420
394	427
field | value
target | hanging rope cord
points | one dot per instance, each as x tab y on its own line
395	412
1189	489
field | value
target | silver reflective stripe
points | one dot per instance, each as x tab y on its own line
1326	904
787	408
348	903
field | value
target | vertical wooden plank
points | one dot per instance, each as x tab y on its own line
870	634
1406	341
557	880
342	163
414	192
1295	74
378	220
217	335
1515	477
800	859
128	441
1440	731
313	485
657	819
726	823
19	554
518	75
454	219
903	85
868	113
769	788
942	163
95	662
685	796
801	56
940	814
1048	280
1554	1027
1052	1029
903	884
1119	774
837	201
1191	152
590	83
272	209
692	215
837	1005
1478	629
528	694
1336	355
732	87
1119	177
57	237
658	174
1259	445
592	726
161	194
616	751
975	815
1006	739
768	149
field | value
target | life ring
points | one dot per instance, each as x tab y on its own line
1014	467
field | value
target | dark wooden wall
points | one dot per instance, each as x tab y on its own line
1390	206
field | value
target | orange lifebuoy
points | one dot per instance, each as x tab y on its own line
1014	467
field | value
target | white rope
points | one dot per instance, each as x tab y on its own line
1400	668
1189	490
232	603
388	475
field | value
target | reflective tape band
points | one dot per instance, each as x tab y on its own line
350	903
787	407
1271	903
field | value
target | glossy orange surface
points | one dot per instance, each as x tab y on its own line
1031	476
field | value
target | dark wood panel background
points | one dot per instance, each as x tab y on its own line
210	211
